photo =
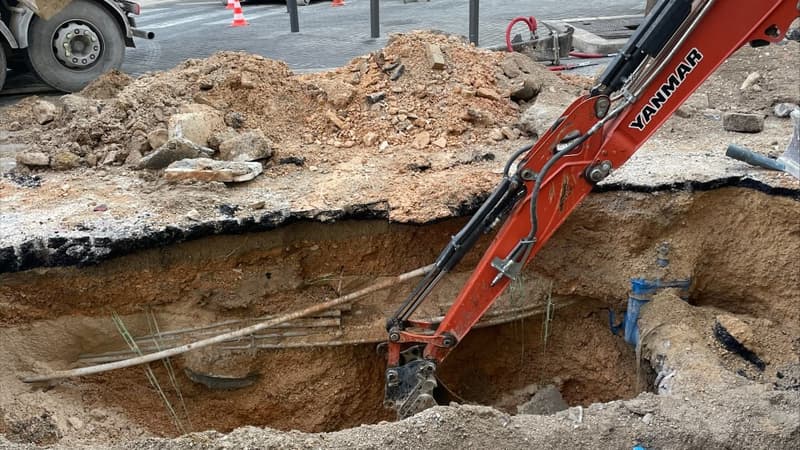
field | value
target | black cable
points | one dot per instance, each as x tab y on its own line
514	157
540	179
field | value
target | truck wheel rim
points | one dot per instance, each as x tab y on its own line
77	45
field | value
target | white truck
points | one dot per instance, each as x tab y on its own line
66	43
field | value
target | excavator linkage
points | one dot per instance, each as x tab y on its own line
680	44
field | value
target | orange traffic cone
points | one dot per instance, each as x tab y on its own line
230	4
238	15
337	3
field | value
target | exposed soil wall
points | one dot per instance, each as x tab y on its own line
738	245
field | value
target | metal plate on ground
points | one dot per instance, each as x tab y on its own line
610	28
602	35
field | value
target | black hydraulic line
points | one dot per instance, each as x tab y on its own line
663	21
455	250
542	175
499	203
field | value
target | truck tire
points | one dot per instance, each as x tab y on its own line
77	45
3	66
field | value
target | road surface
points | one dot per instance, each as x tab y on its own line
328	37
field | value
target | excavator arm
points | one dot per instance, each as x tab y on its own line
679	45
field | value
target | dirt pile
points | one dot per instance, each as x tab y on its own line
408	101
393	98
115	117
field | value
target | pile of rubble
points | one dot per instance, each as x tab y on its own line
221	118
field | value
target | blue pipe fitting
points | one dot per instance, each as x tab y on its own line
642	291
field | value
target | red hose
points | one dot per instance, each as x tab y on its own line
576	54
530	21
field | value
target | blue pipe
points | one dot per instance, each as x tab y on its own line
642	291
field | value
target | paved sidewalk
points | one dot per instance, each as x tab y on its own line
328	37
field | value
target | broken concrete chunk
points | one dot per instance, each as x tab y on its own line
478	116
375	97
173	150
547	400
203	99
133	158
390	66
525	88
784	109
247	80
72	104
111	157
196	125
205	84
158	137
397	72
496	135
370	139
204	169
339	93
218	138
751	79
75	422
138	142
193	215
435	56
515	64
44	112
491	94
248	146
234	119
510	133
335	120
64	160
422	140
743	122
33	159
510	68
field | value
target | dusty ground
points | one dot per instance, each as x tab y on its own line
681	387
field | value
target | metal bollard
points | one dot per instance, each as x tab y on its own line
294	20
473	21
374	19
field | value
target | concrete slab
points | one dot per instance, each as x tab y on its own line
602	35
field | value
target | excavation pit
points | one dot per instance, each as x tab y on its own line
738	245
